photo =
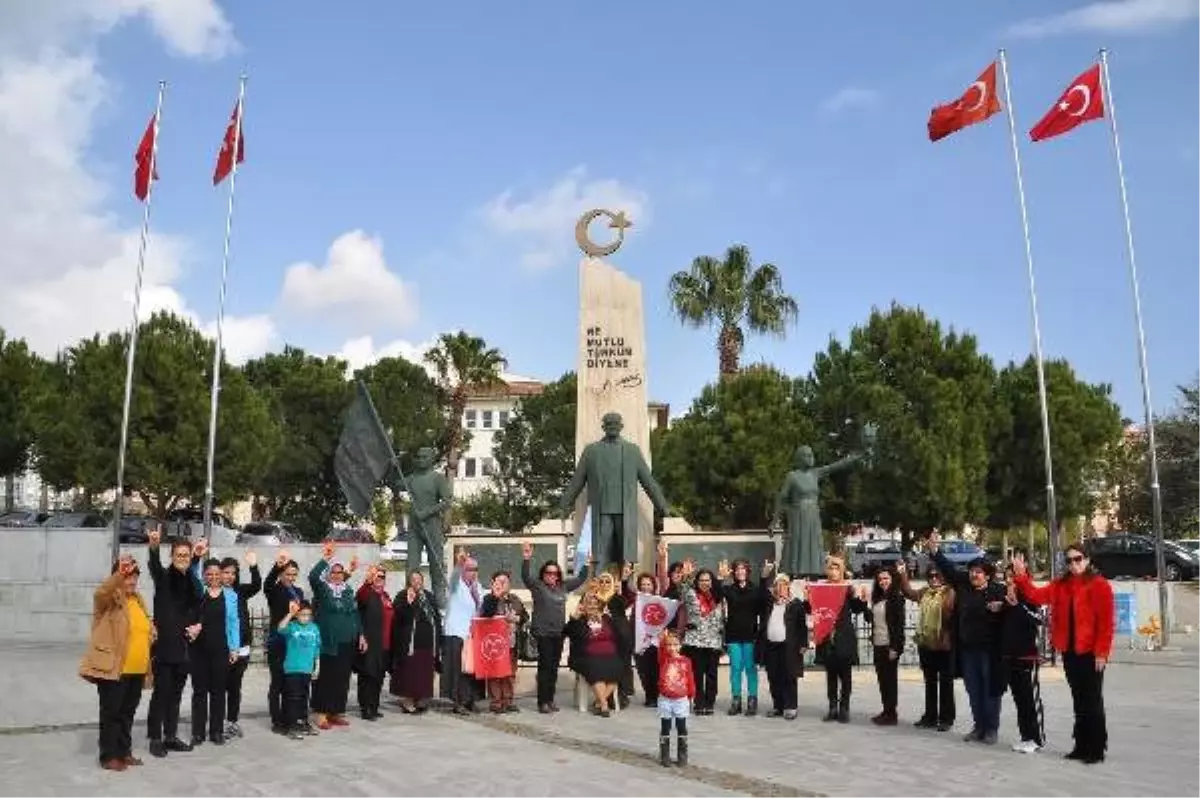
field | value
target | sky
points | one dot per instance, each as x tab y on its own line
414	169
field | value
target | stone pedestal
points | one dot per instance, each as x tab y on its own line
612	375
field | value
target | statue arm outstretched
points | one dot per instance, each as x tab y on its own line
838	465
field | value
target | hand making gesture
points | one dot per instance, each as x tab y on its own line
154	537
282	559
723	570
251	559
527	550
327	551
201	548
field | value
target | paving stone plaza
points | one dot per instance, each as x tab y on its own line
48	745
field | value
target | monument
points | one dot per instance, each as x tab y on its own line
611	372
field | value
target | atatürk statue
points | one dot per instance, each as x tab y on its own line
612	468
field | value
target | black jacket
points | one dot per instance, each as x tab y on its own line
795	641
841	647
279	597
976	626
245	593
744	606
175	607
1021	622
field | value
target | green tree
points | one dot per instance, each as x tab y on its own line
79	416
20	373
464	364
732	295
1177	435
930	392
1085	424
409	404
723	462
383	515
306	396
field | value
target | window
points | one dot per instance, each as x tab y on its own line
487	419
469	467
470	414
487	466
503	419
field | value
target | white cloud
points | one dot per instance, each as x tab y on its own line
1112	16
245	337
849	99
354	286
67	266
544	222
359	352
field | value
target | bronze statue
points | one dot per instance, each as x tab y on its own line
612	468
803	547
429	498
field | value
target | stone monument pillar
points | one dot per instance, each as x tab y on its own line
611	372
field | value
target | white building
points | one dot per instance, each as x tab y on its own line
488	412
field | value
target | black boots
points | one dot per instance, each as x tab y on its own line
843	714
735	706
681	758
751	706
664	751
832	714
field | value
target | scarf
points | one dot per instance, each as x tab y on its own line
929	617
386	602
707	602
336	588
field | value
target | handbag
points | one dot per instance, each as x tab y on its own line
527	644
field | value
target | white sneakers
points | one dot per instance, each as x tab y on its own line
1026	747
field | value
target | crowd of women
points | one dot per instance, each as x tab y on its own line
976	625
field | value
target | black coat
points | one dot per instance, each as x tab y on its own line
796	640
411	624
278	597
376	661
744	608
175	605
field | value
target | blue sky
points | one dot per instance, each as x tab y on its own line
465	138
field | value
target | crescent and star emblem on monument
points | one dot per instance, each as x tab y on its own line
616	221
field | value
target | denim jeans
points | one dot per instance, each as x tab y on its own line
977	675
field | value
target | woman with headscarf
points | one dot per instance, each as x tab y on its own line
341	638
935	643
782	643
549	592
375	617
416	645
887	640
118	661
596	646
839	651
704	638
610	589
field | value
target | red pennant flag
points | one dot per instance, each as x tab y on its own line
225	156
492	648
145	168
1082	102
826	601
977	103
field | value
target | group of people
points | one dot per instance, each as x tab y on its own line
970	625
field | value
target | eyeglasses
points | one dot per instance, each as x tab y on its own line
1075	558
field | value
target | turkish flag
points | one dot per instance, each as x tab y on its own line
492	648
652	614
143	159
225	156
825	601
1082	102
976	104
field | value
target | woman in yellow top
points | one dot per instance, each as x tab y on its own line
118	661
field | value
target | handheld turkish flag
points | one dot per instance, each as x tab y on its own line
652	614
145	168
976	104
225	156
1082	102
826	601
492	648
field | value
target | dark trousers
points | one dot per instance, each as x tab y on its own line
119	701
647	669
210	673
664	727
977	667
704	670
780	682
887	674
332	690
937	667
162	723
294	689
625	683
233	689
461	688
837	674
276	650
550	648
369	688
1027	696
1087	694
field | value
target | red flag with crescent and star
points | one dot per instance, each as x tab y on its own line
225	156
492	648
826	602
145	169
978	103
1082	102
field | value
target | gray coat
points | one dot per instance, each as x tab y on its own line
549	603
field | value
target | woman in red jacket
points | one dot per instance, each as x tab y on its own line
1082	619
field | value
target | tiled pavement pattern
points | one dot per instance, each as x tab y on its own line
47	746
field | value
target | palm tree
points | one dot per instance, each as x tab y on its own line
463	364
730	294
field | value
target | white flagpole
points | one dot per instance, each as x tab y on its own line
216	367
1147	407
119	499
1051	509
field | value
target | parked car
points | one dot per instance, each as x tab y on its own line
84	520
23	518
188	522
1191	544
958	552
349	535
266	533
135	529
1133	556
871	556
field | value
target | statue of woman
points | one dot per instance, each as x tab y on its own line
803	548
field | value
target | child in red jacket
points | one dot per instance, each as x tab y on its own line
676	690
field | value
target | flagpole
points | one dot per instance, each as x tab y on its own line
216	366
1051	509
1147	407
130	356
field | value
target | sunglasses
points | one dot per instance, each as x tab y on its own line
1075	558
